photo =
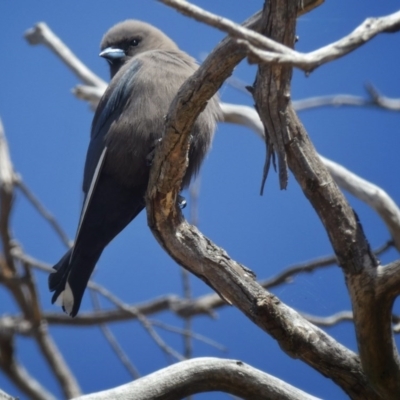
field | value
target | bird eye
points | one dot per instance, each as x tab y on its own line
134	42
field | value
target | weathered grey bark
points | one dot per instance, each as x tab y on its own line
5	396
204	375
372	308
19	281
203	258
372	288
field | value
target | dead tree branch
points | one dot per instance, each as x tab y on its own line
20	282
212	264
42	210
372	287
264	49
204	375
41	34
364	190
372	309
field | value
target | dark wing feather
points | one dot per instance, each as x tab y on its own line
107	112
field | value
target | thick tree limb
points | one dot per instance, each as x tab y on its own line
203	258
373	294
300	155
204	375
372	313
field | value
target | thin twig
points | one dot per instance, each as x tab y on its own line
331	320
42	211
190	333
113	342
310	266
187	293
143	320
206	304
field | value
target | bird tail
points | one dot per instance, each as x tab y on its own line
70	278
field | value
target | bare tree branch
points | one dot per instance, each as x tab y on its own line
18	374
308	62
41	34
212	264
6	201
5	396
372	313
56	361
368	283
310	266
50	351
372	300
370	194
200	338
263	49
113	342
143	320
383	101
366	191
42	210
23	289
338	100
330	320
204	375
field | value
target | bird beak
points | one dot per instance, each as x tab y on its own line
112	53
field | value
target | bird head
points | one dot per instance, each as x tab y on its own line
129	38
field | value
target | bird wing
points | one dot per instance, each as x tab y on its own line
90	192
107	112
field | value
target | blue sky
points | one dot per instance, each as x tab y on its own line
48	131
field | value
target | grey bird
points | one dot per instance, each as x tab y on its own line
147	69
